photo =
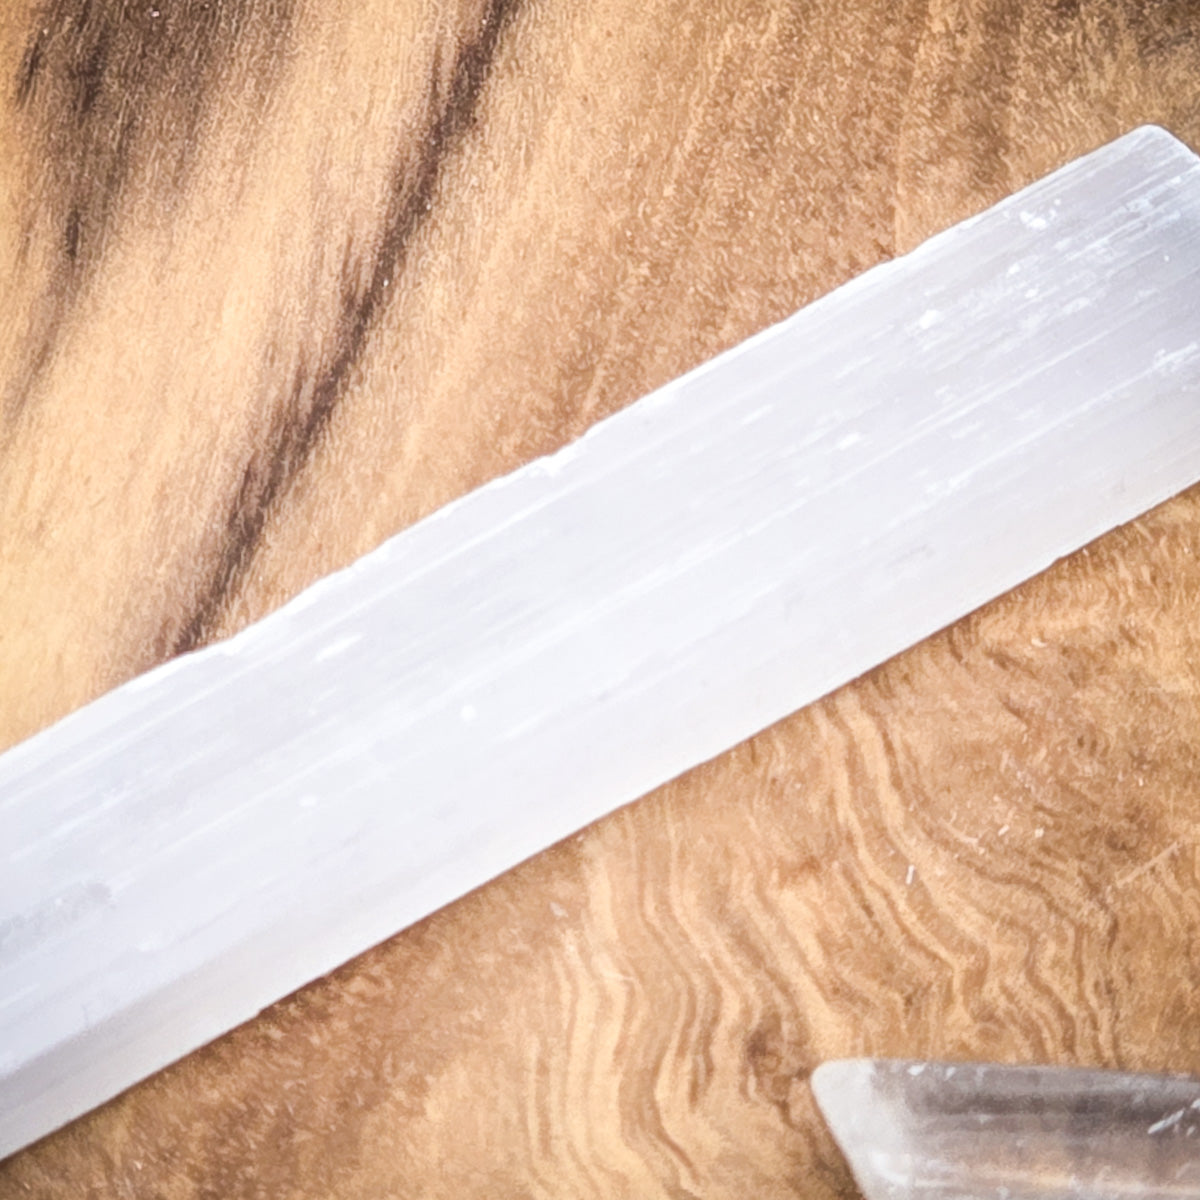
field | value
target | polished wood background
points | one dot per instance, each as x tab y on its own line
277	277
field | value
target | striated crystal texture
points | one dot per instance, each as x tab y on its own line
208	838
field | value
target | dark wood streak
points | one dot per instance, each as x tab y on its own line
1164	28
305	414
108	91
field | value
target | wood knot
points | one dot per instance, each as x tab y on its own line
778	1058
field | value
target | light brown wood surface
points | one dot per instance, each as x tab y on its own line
277	277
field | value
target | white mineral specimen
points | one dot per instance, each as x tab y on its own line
205	839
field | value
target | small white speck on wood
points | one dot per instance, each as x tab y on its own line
209	837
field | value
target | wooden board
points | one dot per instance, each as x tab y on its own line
205	839
283	278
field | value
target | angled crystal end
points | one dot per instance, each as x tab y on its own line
954	1131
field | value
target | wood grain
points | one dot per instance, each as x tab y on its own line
282	276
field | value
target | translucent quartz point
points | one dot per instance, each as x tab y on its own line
914	1130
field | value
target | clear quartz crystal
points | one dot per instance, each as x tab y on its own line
947	1131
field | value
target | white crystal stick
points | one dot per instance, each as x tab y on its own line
207	838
